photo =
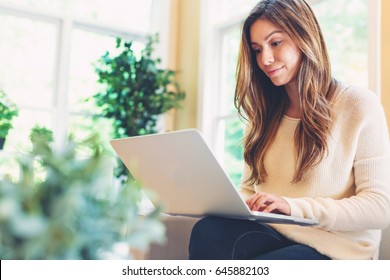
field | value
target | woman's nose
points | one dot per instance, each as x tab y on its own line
267	58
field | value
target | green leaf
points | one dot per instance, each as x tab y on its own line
138	90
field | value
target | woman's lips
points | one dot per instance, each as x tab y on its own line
274	72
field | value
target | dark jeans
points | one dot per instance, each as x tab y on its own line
222	239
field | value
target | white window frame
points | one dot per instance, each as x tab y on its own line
210	61
65	24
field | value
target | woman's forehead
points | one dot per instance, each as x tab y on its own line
263	29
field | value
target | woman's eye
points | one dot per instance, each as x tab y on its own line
276	43
257	51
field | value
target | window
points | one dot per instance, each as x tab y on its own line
130	15
345	31
48	49
218	120
351	33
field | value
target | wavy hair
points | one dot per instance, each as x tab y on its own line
263	105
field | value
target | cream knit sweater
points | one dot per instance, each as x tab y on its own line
348	192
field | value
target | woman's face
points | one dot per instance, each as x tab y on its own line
277	55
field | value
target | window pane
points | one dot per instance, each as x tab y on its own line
27	60
230	44
126	14
232	130
223	11
87	48
345	32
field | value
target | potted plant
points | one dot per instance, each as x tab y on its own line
8	110
61	207
137	92
40	134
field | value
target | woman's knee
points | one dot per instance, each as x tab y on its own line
208	223
206	229
206	238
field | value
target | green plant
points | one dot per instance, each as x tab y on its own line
136	91
41	133
62	207
8	110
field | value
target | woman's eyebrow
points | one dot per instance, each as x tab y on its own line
272	33
269	35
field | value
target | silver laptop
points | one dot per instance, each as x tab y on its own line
187	179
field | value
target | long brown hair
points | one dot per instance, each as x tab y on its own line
263	104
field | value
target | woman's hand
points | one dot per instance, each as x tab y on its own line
270	203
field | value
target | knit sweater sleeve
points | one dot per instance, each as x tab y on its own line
369	207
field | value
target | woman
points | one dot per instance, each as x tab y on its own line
313	148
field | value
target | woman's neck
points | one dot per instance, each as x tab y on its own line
294	108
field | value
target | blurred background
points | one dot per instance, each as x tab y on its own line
49	50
